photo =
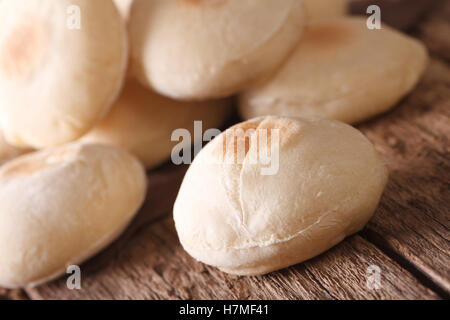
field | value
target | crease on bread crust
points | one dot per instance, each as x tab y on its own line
274	240
232	184
270	36
271	239
243	56
235	197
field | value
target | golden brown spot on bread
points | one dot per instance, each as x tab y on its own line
22	50
287	128
237	140
330	34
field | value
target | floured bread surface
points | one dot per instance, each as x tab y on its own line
61	206
317	10
8	152
198	49
341	70
62	63
327	186
142	122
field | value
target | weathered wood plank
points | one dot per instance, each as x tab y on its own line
153	265
413	220
435	31
163	185
6	294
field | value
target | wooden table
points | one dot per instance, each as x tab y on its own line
408	239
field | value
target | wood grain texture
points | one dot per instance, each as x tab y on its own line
413	218
6	294
435	31
153	265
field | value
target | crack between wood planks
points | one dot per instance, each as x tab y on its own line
378	241
319	283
